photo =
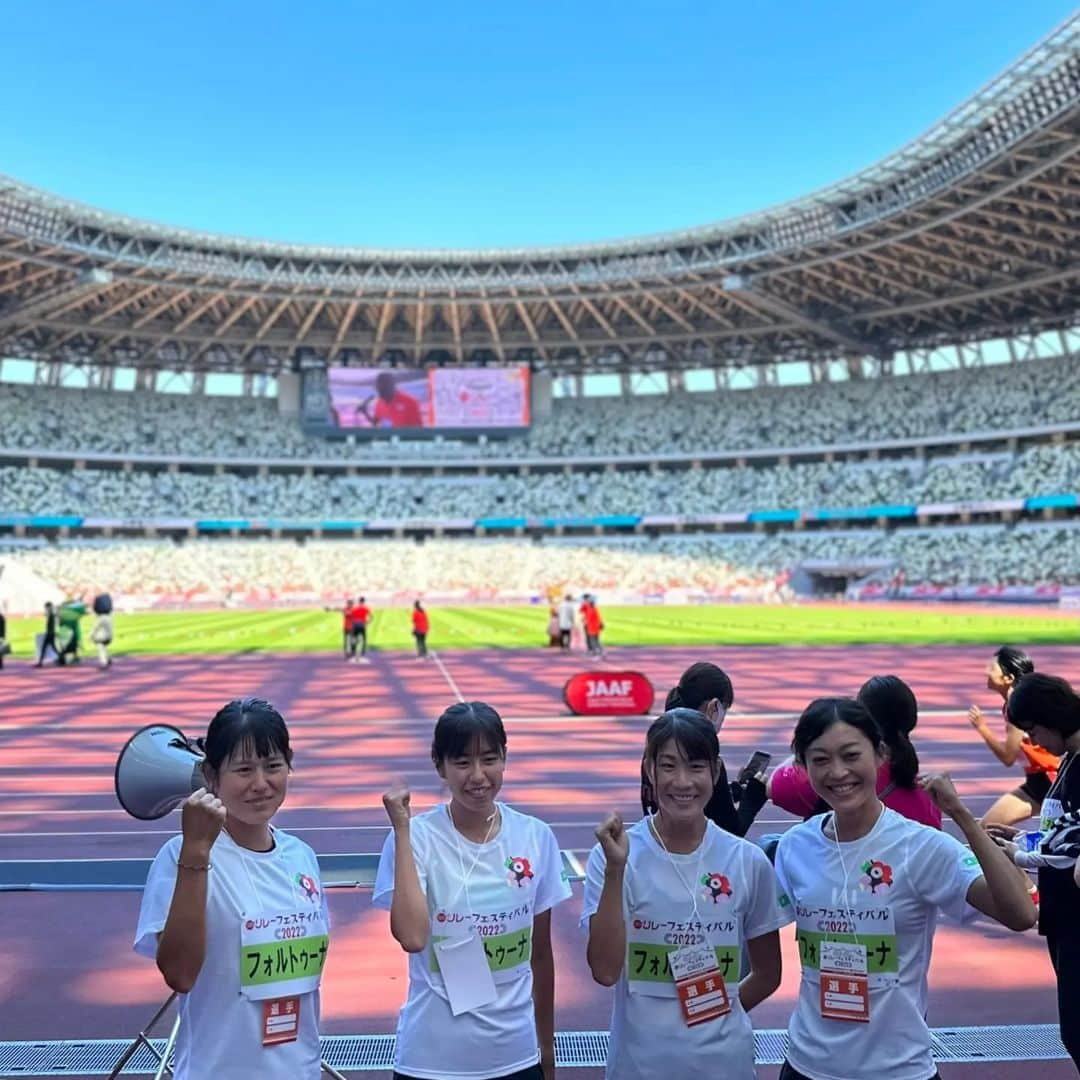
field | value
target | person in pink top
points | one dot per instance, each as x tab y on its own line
892	704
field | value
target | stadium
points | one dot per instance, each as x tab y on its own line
843	427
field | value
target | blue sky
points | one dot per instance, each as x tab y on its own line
416	125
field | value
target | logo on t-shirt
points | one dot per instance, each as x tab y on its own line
875	874
308	887
520	871
716	886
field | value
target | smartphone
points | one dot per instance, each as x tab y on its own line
755	766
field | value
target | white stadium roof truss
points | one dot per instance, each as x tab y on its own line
971	231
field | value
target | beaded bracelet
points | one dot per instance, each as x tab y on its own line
192	866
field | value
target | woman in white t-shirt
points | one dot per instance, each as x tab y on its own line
470	886
669	905
234	913
865	886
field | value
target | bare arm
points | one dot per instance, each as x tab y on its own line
1002	891
1006	750
182	943
409	919
606	952
765	970
543	972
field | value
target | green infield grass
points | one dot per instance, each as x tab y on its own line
297	630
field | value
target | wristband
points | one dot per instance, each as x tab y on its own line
192	866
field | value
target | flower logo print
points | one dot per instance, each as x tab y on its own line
716	885
307	883
520	872
875	875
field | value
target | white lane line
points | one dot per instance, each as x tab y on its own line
447	676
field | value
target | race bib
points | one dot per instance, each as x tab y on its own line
871	930
282	954
505	937
698	984
466	973
650	944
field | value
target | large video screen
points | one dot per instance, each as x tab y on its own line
435	398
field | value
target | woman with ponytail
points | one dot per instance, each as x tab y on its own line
706	688
892	704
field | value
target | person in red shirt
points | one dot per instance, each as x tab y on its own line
360	615
393	407
420	627
590	616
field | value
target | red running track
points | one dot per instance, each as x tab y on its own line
70	971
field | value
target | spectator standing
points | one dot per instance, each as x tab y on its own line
565	616
48	640
594	625
420	627
360	616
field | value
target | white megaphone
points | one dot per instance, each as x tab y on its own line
156	771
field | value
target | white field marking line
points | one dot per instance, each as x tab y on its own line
446	675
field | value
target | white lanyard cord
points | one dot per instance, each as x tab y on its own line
465	877
675	866
843	865
247	870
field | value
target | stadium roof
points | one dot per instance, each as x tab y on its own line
968	232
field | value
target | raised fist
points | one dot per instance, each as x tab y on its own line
614	840
201	820
396	802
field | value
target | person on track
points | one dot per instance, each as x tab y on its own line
360	616
893	705
1048	709
215	900
594	625
470	886
707	688
1008	665
421	626
671	903
866	885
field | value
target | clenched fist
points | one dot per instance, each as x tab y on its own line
614	840
201	820
943	792
396	802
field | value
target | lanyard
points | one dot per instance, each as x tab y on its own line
843	864
465	877
675	866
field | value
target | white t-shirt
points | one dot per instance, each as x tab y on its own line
220	1030
734	891
517	875
899	876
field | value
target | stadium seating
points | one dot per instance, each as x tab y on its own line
139	495
753	566
977	400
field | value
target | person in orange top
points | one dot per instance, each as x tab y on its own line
420	627
1040	766
590	616
360	614
393	407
